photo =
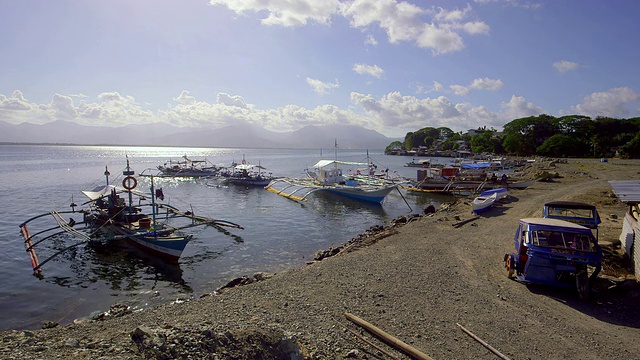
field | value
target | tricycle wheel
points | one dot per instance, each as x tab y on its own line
509	265
582	284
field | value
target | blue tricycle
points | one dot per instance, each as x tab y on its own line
555	252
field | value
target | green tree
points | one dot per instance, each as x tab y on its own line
487	142
560	145
393	145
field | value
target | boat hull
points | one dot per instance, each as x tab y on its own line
375	196
166	246
483	203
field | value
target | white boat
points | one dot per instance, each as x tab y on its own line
188	168
483	203
501	192
328	177
245	174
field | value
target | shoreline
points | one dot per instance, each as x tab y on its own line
416	282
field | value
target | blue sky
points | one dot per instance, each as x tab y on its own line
388	65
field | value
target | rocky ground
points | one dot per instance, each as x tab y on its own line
421	280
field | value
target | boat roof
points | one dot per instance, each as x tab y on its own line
248	167
475	165
548	222
104	190
323	163
100	191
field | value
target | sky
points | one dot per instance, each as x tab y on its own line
392	66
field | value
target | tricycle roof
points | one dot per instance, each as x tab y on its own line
570	204
554	223
576	212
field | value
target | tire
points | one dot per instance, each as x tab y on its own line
582	284
509	265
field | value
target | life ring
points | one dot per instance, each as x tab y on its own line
129	183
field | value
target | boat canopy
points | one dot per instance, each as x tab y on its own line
100	191
476	166
248	167
324	163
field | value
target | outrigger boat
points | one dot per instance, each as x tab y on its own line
188	168
245	174
329	178
326	176
451	180
109	217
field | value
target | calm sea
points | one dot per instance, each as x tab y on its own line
279	234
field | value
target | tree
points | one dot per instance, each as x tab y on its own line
527	134
487	142
560	145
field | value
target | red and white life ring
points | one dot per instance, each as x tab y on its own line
129	183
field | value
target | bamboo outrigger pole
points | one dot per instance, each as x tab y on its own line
389	339
485	344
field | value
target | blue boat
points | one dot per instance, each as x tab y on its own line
500	192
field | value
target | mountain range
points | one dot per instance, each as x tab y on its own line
241	135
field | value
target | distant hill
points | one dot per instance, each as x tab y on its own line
238	135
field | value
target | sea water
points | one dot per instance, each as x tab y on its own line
279	234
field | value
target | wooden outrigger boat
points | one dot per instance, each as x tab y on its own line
327	176
187	168
107	216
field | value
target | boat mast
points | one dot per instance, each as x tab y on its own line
128	172
153	205
107	173
335	150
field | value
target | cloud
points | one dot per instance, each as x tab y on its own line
371	41
460	90
322	87
477	84
373	70
393	114
565	66
486	84
518	107
228	100
514	3
401	20
285	13
611	103
437	86
398	114
15	102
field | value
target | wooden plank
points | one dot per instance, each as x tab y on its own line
389	339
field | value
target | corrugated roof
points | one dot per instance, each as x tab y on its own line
627	190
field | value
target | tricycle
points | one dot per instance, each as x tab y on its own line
555	252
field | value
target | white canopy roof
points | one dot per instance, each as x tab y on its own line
323	163
100	191
248	167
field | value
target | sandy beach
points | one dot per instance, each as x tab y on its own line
415	281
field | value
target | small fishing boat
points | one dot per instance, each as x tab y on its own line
188	168
483	203
245	174
327	176
424	163
114	213
501	193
